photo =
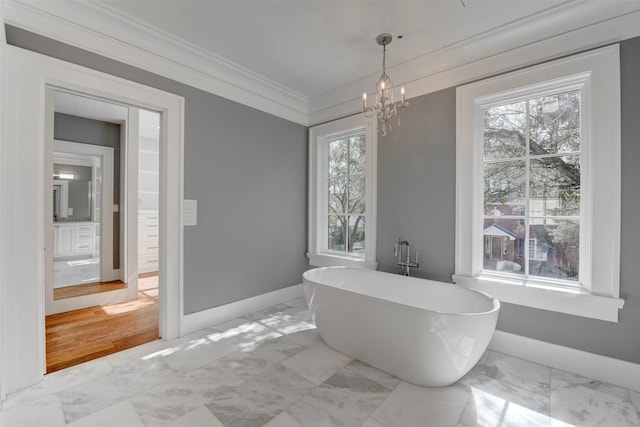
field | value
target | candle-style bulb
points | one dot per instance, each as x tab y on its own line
364	101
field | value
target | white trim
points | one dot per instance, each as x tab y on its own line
545	298
129	199
318	254
98	28
486	55
203	319
23	323
560	30
599	71
3	220
602	368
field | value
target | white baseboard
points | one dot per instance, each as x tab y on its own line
602	368
203	319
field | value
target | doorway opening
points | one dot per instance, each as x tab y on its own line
102	283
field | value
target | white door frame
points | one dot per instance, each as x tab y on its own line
22	193
107	272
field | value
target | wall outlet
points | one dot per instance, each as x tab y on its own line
190	212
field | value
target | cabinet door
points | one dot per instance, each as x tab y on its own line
64	240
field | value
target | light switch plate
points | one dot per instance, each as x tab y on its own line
190	212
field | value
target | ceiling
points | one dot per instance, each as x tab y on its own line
301	58
312	47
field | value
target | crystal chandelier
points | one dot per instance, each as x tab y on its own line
384	108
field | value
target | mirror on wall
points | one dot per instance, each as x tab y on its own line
72	192
76	215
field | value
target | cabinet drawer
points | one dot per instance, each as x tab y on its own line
148	218
82	247
142	226
88	229
148	236
148	262
148	249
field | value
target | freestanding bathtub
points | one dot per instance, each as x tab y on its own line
421	331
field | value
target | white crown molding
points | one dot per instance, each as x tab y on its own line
488	55
602	368
98	29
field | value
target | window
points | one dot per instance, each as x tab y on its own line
342	193
531	163
538	185
346	207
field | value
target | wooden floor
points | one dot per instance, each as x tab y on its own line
81	335
86	289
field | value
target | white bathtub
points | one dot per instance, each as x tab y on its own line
421	331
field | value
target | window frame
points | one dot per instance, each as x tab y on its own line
319	138
597	74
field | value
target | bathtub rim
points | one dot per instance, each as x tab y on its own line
495	303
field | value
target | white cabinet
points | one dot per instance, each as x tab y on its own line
148	241
72	239
148	203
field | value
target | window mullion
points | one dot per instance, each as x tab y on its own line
527	206
346	208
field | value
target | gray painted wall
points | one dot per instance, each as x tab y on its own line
248	171
250	239
416	200
95	132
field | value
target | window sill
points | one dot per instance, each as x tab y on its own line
329	260
559	300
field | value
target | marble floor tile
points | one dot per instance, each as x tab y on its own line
215	373
199	417
635	400
169	402
249	334
519	372
60	380
370	422
489	394
43	411
199	349
255	402
290	321
382	378
305	337
267	312
264	356
345	399
495	404
120	384
75	271
300	302
317	363
283	419
272	368
411	405
120	414
576	400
